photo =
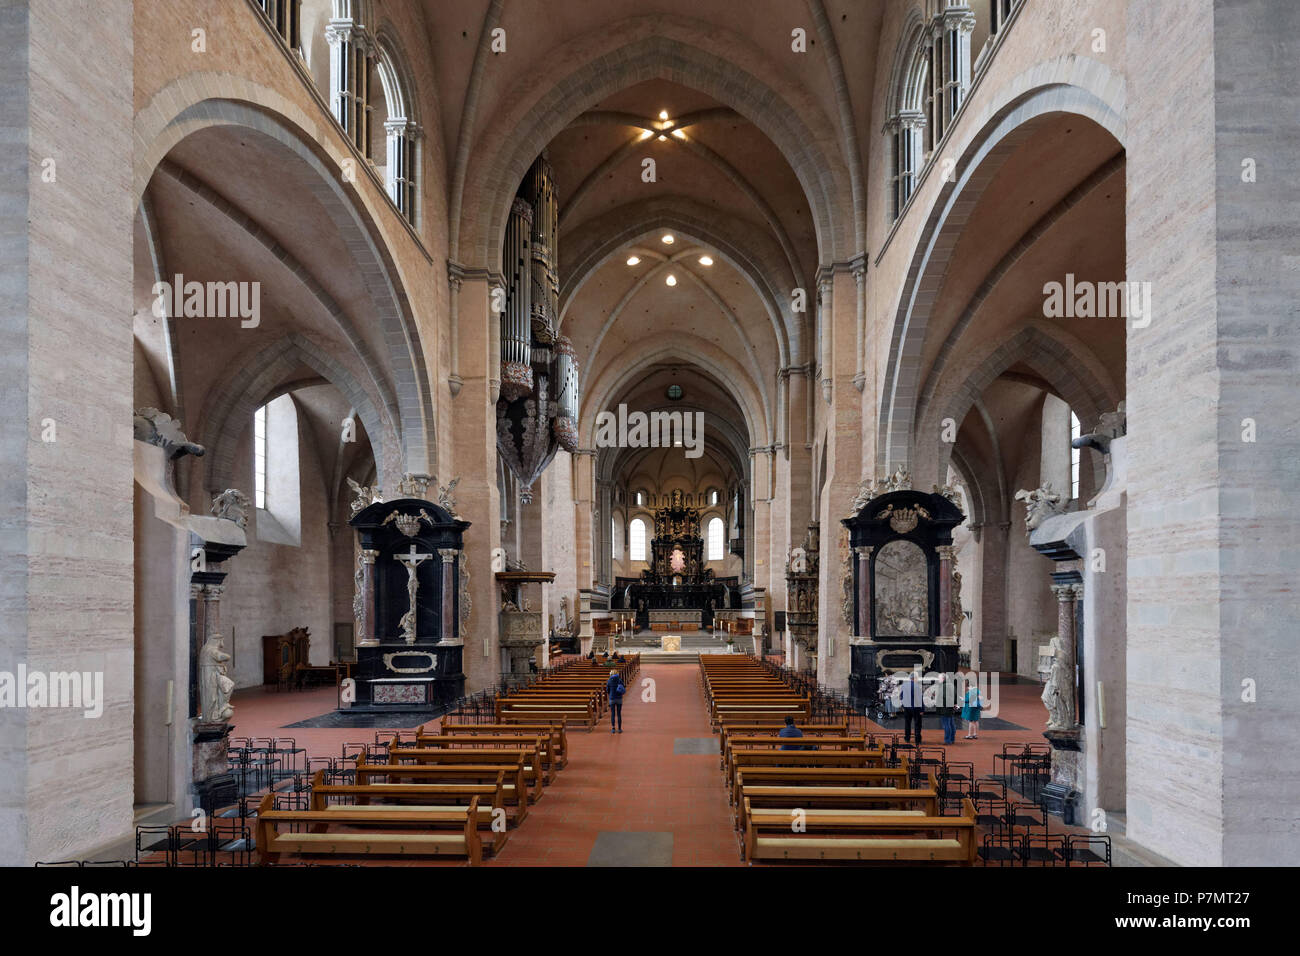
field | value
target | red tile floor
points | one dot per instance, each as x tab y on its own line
631	781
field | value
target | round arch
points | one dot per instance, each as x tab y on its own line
214	100
1075	85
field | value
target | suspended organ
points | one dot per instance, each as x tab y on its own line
537	412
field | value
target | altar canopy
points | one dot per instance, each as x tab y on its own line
407	606
677	578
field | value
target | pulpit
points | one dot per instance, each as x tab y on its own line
407	606
903	586
521	626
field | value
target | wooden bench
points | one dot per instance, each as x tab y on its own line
540	742
425	796
450	832
511	709
514	789
526	758
831	742
559	743
839	798
896	777
905	837
728	729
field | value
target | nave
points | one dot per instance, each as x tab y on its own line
656	795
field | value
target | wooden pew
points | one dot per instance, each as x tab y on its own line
451	832
540	742
527	758
896	777
559	744
514	789
728	729
909	837
818	742
421	796
925	799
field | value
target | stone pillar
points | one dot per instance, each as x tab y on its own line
1067	597
449	631
992	617
862	626
945	589
66	76
366	635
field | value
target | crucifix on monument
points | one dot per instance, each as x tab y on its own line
412	560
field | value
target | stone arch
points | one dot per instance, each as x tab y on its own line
207	101
1069	84
231	407
639	49
758	260
1080	384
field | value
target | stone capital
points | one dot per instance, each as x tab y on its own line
448	555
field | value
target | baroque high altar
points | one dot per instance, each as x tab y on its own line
677	578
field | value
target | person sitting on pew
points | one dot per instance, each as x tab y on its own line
789	730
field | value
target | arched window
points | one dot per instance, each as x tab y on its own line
401	134
276	480
1076	455
716	532
636	539
259	457
350	50
284	16
909	122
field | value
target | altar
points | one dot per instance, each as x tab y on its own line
407	606
678	591
675	619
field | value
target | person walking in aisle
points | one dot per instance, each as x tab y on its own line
615	689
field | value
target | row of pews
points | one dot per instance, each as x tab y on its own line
828	795
456	791
575	691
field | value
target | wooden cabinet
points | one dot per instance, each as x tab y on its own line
282	653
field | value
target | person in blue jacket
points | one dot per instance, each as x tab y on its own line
615	689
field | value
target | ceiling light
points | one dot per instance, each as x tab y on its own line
706	260
672	279
679	134
647	134
633	260
663	114
668	239
663	139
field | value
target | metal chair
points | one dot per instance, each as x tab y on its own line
999	848
1043	849
152	839
1087	849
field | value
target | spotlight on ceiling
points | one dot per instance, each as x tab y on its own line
668	239
633	260
706	260
663	114
671	280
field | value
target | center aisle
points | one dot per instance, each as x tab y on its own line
652	795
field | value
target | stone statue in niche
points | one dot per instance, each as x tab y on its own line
232	504
902	595
215	687
1060	683
798	561
155	427
1040	504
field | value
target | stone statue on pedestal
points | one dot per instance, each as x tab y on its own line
1056	693
233	505
215	687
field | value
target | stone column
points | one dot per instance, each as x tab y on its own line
863	628
367	635
1067	596
211	611
449	631
945	589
